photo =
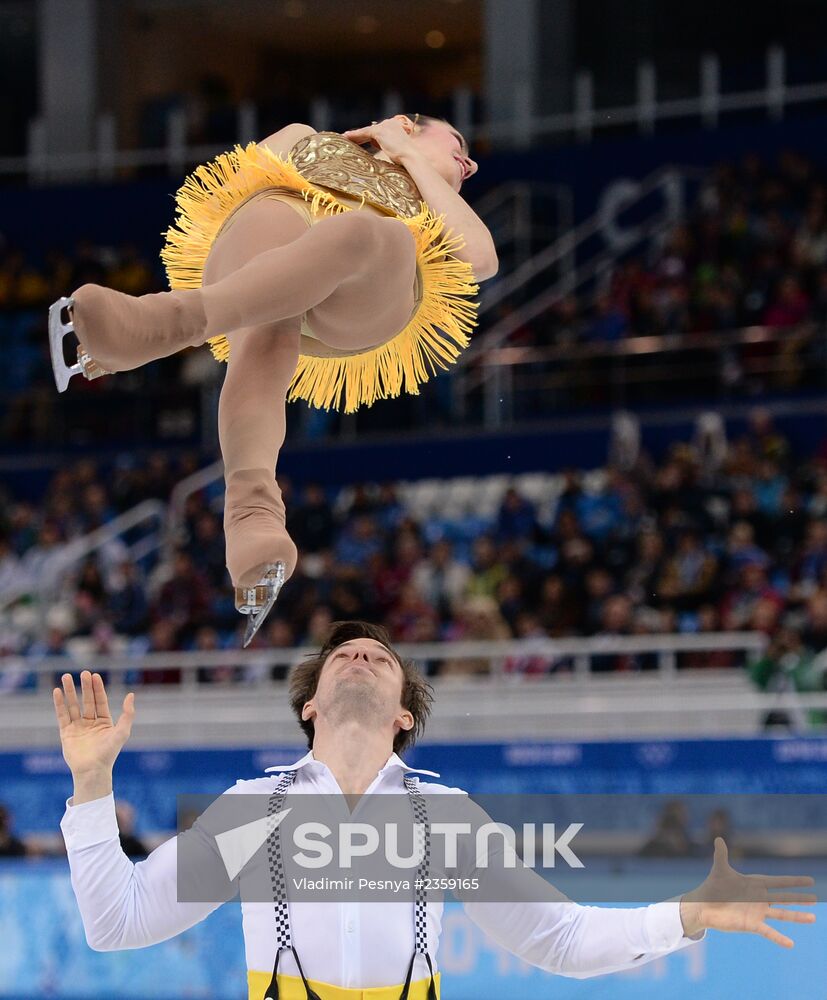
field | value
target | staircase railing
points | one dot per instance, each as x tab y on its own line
43	586
567	273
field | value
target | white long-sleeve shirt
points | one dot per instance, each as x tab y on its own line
348	944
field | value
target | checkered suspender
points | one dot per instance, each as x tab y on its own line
422	839
284	938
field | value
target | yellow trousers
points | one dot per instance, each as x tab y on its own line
292	988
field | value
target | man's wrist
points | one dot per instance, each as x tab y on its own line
692	917
91	785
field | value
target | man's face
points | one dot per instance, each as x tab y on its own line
361	681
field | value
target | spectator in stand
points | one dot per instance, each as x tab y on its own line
52	644
599	588
741	548
90	597
206	549
390	511
10	568
529	664
479	619
311	524
350	596
566	327
396	572
162	638
44	562
131	273
770	486
671	837
617	620
207	640
814	632
441	579
127	602
410	615
184	597
812	563
790	305
788	665
576	558
358	542
751	594
647	568
708	620
318	627
511	599
131	845
817	501
10	846
689	575
279	634
609	322
516	518
557	610
487	570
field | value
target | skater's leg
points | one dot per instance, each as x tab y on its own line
353	275
122	332
251	428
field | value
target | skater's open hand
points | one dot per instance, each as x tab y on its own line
730	901
392	136
90	740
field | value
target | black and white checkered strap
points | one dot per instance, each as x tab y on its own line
275	858
422	840
276	862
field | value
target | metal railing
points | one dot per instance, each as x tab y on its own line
521	128
721	366
570	701
560	264
44	586
572	656
519	225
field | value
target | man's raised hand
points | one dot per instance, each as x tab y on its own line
730	901
90	740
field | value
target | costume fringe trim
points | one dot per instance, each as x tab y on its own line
433	338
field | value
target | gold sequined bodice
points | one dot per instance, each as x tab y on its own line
330	161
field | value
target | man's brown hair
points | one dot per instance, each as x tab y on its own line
417	694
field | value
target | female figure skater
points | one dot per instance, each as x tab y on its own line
317	271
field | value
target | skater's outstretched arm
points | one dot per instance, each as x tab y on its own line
123	905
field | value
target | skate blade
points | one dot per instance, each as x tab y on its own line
58	329
258	601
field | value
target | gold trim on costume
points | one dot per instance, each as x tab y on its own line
329	160
434	336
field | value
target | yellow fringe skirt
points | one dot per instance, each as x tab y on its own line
433	338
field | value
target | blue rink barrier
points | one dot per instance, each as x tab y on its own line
43	953
35	784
